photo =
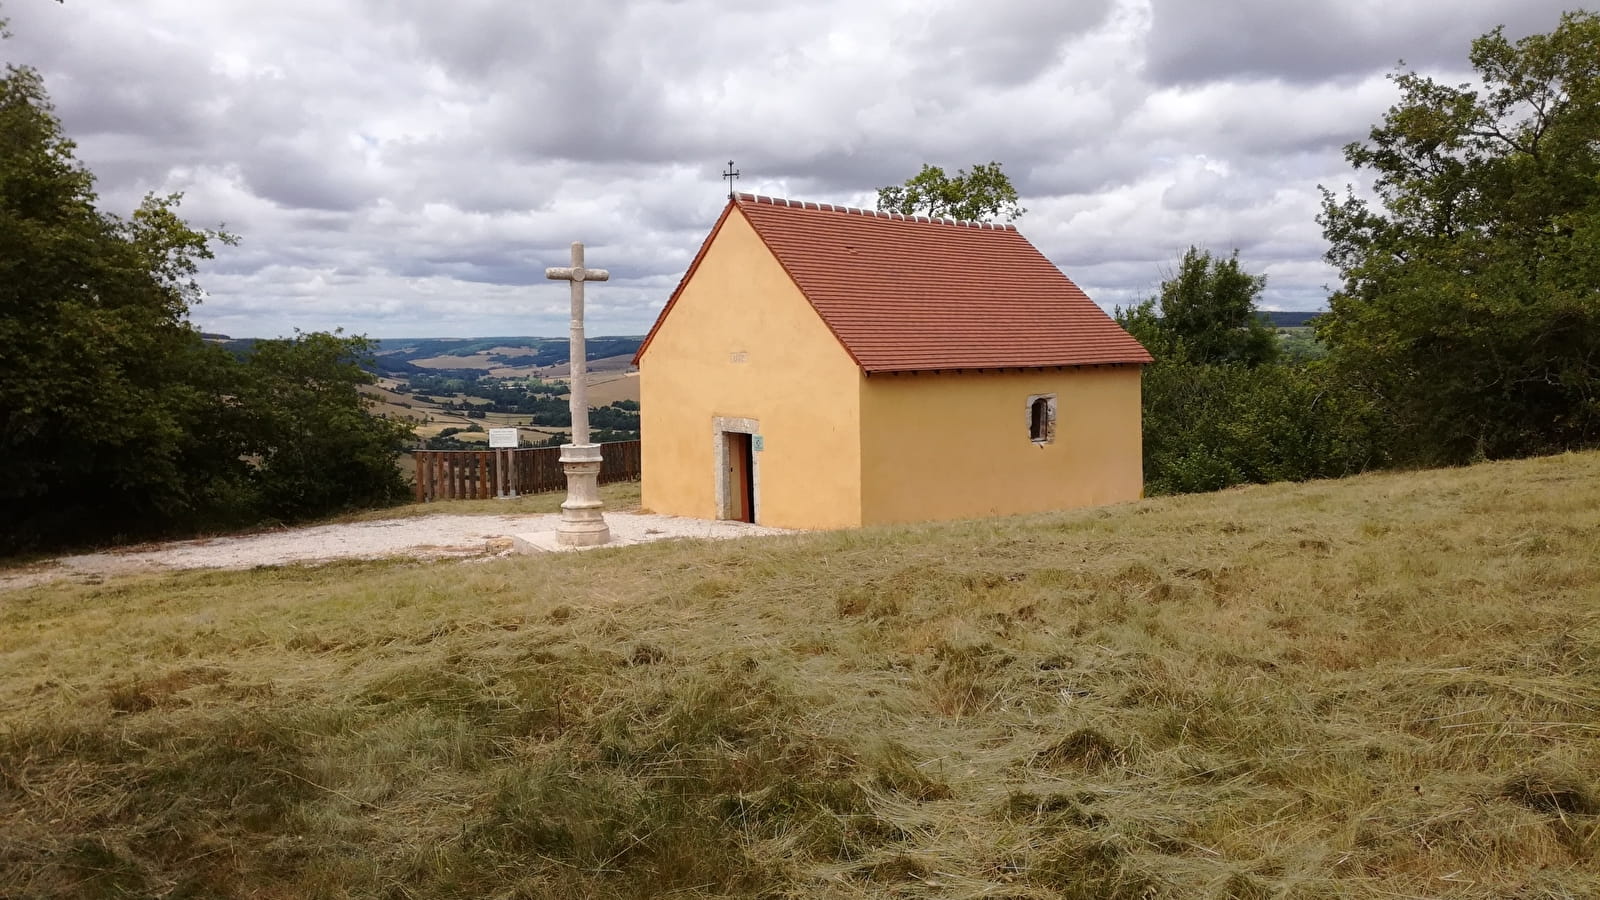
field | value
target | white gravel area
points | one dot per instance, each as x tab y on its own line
421	536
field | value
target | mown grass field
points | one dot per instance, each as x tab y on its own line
1382	687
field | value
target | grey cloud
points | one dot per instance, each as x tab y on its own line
1199	189
401	166
1007	42
141	93
298	182
320	220
1306	42
1083	169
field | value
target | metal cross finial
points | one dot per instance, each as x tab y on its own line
731	174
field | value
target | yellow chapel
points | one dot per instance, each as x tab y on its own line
827	367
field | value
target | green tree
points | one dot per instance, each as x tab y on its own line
316	446
1219	408
980	195
1207	427
1470	304
1210	304
116	418
1206	312
106	392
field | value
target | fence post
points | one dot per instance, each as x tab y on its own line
416	475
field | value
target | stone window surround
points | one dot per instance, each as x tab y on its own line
1049	421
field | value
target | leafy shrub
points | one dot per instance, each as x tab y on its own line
318	449
1207	427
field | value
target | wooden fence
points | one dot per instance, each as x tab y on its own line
485	474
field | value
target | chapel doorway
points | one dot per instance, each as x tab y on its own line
738	477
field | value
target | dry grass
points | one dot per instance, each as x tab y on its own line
1383	687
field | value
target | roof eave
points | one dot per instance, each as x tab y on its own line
934	368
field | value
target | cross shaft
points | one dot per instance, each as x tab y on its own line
577	350
582	522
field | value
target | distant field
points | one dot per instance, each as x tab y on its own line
390	403
604	364
1383	687
405	406
605	390
486	363
478	361
501	356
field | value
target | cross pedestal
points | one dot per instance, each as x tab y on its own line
582	523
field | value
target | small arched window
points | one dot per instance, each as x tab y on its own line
1042	418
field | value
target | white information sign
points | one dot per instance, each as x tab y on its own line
502	438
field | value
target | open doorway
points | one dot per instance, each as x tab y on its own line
737	446
738	477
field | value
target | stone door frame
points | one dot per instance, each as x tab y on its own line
721	426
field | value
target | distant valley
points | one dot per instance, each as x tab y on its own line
500	357
457	388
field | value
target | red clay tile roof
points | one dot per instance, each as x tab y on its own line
913	294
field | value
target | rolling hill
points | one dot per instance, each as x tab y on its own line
500	356
488	355
1380	687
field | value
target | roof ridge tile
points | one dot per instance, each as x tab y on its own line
744	197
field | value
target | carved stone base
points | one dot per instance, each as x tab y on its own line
582	523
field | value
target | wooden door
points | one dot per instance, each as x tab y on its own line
740	478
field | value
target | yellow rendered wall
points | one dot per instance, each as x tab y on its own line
743	342
957	446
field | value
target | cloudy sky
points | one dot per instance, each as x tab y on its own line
409	167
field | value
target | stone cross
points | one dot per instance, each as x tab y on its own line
582	522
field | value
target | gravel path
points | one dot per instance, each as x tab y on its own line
422	536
